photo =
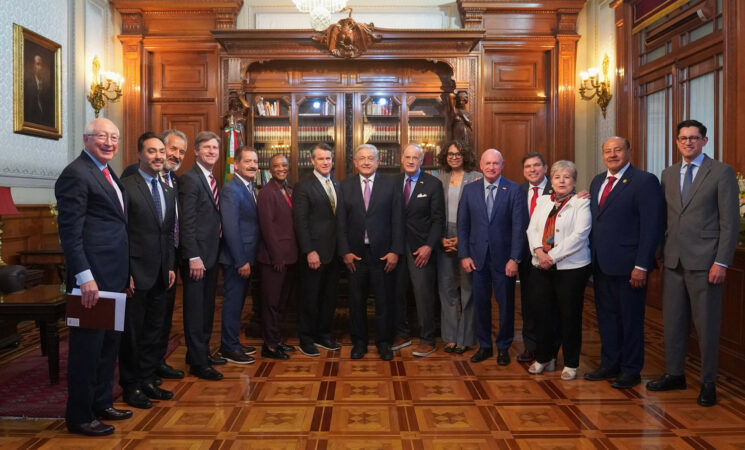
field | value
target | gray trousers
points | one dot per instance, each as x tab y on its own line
423	284
688	292
455	326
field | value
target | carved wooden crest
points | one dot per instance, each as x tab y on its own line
348	38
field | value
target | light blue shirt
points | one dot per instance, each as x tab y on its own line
149	181
495	184
697	161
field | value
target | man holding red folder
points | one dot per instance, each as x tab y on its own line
92	225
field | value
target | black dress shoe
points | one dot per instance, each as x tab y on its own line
157	381
205	373
503	357
286	348
358	351
526	356
309	349
667	382
626	381
460	350
237	357
137	399
94	428
156	393
600	374
168	372
248	350
385	352
482	354
328	344
216	360
450	348
277	353
708	395
113	414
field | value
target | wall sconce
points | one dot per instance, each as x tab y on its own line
106	87
597	84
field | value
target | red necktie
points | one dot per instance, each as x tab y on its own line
534	200
111	182
407	191
606	191
287	197
213	185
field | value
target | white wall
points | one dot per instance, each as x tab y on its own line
30	165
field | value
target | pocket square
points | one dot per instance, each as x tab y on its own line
421	195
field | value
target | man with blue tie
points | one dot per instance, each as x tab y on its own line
240	230
492	218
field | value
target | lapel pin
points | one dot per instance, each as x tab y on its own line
624	180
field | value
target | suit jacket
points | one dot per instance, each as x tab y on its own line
278	243
547	190
444	177
130	170
502	234
199	218
151	253
33	111
383	219
92	226
572	231
425	214
315	221
627	229
240	224
703	230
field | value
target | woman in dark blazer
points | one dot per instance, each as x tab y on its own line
456	162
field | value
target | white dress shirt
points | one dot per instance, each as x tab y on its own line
618	176
541	186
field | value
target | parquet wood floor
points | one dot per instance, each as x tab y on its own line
439	402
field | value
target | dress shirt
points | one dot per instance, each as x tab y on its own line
149	181
246	183
496	187
323	179
206	174
618	176
414	179
541	186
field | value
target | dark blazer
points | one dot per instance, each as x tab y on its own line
627	229
315	221
525	187
425	213
502	234
278	243
92	226
130	170
151	251
240	224
382	220
199	218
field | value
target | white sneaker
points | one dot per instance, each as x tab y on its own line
537	367
569	373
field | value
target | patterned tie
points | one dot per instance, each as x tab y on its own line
490	200
169	182
213	185
534	200
407	191
106	173
252	190
366	194
156	198
687	183
607	190
330	193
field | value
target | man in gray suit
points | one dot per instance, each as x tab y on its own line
702	226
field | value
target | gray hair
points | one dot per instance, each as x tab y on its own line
89	127
564	165
416	146
178	133
370	147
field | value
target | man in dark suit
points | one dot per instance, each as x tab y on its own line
151	210
492	219
240	229
424	217
316	201
627	220
277	256
536	184
199	227
370	240
703	222
38	94
92	226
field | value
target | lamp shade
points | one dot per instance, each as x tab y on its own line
6	202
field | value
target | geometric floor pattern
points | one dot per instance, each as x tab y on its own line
439	402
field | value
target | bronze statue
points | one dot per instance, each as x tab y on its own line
348	38
459	122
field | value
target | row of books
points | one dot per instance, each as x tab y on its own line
265	154
264	133
319	133
384	133
376	109
265	108
426	133
318	109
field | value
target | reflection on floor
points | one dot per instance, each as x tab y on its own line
439	402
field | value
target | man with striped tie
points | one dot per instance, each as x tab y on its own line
200	235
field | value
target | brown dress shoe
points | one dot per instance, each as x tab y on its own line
423	350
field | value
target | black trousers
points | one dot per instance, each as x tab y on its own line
561	290
370	273
199	314
275	291
90	373
318	301
526	305
165	328
143	320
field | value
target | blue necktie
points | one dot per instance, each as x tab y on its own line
156	198
490	200
687	183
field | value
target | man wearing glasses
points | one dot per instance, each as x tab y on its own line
702	227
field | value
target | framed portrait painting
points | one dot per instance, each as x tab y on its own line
37	84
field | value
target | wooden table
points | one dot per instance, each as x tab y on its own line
50	257
46	305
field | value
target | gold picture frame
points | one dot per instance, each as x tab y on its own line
37	84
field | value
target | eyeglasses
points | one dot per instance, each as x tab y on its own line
454	155
103	136
691	139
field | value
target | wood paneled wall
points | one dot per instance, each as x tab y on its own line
33	228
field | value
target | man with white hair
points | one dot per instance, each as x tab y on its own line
492	218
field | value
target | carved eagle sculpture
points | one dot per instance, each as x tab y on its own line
347	38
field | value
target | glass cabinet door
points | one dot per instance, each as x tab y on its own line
381	127
426	125
271	131
316	123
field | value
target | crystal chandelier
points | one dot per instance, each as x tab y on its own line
320	11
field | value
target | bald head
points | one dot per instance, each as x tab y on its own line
491	164
616	153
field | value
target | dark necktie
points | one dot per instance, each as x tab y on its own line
407	191
534	200
156	198
490	200
607	190
687	183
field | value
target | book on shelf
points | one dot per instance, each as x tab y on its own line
267	108
376	109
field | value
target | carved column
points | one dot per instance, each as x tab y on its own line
565	93
135	107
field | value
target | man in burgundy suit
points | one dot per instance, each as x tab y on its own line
277	256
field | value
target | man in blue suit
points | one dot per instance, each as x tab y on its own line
627	219
492	218
93	232
240	230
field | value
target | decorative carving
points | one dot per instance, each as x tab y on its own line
348	38
131	23
225	18
459	122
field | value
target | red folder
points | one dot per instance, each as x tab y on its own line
107	314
